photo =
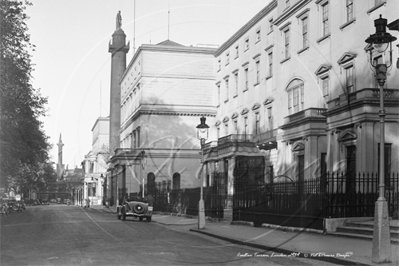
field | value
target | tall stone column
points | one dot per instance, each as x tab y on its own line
60	167
118	49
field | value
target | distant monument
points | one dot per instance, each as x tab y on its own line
118	20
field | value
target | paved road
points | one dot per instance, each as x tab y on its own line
69	235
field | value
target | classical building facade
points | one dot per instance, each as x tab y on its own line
95	164
296	96
165	89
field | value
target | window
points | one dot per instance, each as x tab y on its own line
245	125
326	29
350	85
218	92
218	132
138	137
349	10
236	83
226	128
246	78
235	126
227	58
257	35
246	45
237	51
305	42
377	4
295	92
270	25
270	57
270	117
134	139
257	123
287	43
227	88
257	71
219	64
347	63
325	84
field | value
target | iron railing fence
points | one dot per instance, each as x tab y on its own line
185	201
356	196
307	203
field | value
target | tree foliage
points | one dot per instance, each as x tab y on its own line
23	143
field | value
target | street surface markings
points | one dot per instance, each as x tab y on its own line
102	228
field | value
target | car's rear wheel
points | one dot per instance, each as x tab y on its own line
141	219
148	219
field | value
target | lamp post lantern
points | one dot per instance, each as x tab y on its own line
202	135
380	42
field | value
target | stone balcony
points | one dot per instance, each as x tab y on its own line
370	95
235	138
305	115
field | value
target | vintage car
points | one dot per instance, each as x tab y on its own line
137	208
14	206
22	203
3	207
45	202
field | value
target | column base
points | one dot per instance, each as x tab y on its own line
381	235
201	215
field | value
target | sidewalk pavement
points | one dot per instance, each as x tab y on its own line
328	248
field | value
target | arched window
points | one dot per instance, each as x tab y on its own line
295	90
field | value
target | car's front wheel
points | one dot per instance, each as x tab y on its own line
141	219
123	214
148	219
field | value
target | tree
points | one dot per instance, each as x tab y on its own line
23	144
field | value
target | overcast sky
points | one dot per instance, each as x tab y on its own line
72	64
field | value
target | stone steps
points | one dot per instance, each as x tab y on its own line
365	231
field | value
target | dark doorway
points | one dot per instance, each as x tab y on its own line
351	169
300	173
176	181
151	183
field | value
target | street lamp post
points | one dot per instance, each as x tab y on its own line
202	135
142	164
380	42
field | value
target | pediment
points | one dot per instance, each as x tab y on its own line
217	123
322	69
244	111
347	135
298	146
225	119
234	116
268	100
255	106
346	57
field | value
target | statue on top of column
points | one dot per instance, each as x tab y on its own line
118	20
